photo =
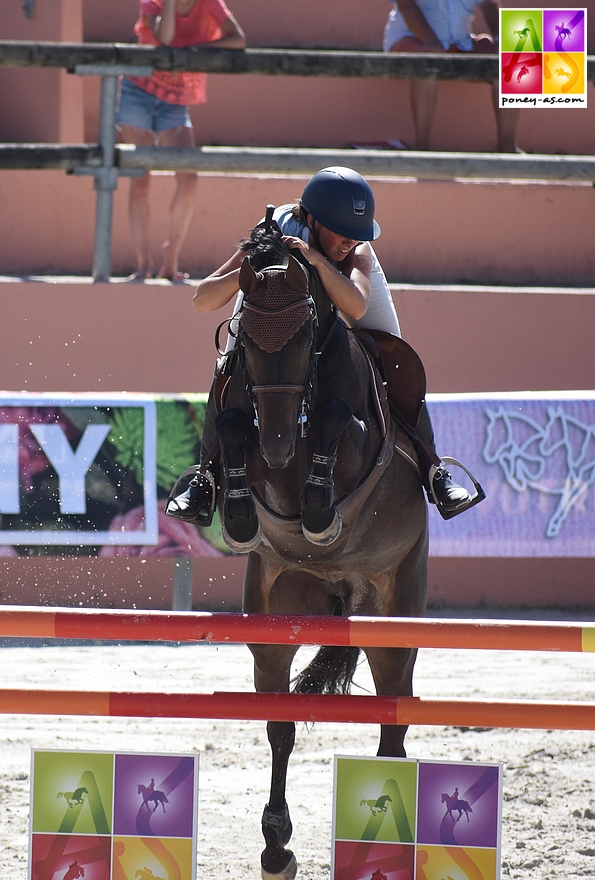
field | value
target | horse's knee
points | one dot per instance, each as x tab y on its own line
330	418
241	529
232	427
321	521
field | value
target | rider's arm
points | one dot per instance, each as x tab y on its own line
220	287
347	286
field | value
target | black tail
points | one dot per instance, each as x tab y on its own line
330	672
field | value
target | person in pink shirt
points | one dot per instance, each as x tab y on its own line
153	111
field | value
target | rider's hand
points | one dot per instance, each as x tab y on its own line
293	243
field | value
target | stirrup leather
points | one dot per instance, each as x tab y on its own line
473	500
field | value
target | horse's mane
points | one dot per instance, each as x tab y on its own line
265	247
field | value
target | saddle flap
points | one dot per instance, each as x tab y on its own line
403	371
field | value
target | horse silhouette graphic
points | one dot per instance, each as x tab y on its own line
563	32
557	458
454	804
149	793
73	798
379	805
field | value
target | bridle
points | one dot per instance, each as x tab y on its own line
306	388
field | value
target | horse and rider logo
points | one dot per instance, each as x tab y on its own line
150	793
454	804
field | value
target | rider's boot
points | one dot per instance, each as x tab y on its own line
448	496
194	496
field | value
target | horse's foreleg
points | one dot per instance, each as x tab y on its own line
321	521
271	673
241	529
276	861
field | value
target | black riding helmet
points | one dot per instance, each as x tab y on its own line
341	200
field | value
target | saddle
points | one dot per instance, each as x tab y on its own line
400	368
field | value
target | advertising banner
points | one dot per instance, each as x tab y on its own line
543	57
534	454
113	815
84	475
415	820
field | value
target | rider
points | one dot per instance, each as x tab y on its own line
332	226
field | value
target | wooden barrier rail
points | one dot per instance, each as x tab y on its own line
243	706
264	62
381	632
301	160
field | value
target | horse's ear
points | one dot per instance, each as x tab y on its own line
296	275
248	278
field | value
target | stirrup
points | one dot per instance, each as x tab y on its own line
473	500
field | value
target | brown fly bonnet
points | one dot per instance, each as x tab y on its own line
276	303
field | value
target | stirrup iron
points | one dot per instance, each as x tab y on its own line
467	505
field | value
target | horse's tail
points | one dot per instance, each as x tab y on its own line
332	669
330	672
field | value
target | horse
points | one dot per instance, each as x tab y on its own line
151	794
453	803
73	797
377	806
333	520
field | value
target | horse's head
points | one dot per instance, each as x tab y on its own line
277	351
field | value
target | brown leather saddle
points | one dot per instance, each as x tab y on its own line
400	368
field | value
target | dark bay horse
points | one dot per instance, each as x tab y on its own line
333	518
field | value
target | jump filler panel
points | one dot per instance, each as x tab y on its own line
399	819
112	816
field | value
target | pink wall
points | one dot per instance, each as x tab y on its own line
147	338
432	232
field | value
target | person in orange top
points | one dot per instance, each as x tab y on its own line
153	111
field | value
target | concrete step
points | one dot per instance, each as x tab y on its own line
530	233
68	334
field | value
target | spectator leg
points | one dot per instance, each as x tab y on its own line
422	95
139	213
182	209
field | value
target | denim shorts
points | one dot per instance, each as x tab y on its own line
142	110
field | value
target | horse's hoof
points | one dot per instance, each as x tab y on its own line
328	536
288	873
239	546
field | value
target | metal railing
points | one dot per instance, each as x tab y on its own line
107	161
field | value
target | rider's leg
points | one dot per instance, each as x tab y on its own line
449	494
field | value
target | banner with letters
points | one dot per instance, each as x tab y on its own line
88	475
